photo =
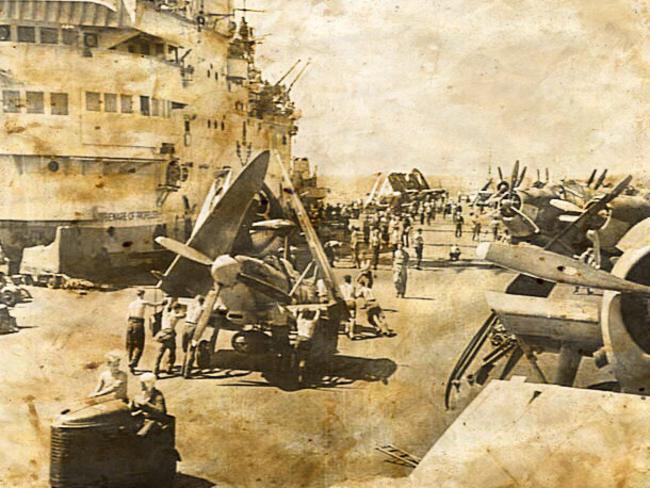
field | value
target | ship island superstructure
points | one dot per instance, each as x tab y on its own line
117	115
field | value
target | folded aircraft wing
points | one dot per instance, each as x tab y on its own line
216	232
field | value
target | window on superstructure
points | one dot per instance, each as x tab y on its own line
11	101
160	49
26	33
5	32
126	104
91	39
145	108
59	103
93	102
49	36
35	104
155	107
110	102
145	49
69	37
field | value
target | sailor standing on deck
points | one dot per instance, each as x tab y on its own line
400	270
191	321
494	225
167	337
459	220
422	213
418	244
476	228
349	295
375	246
395	239
355	245
135	329
365	228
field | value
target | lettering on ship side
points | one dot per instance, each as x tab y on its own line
123	216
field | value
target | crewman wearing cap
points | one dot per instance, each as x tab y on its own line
150	403
135	328
112	381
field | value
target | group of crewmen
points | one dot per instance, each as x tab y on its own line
393	229
163	330
113	381
165	324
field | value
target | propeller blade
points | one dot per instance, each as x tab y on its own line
568	218
522	176
273	224
204	319
592	210
546	180
529	222
547	265
539	175
565	206
592	178
500	173
601	180
515	175
183	250
572	191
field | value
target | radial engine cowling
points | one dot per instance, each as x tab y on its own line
625	322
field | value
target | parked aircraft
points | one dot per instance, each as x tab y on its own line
249	285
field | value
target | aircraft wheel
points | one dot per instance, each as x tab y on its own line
8	298
250	342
